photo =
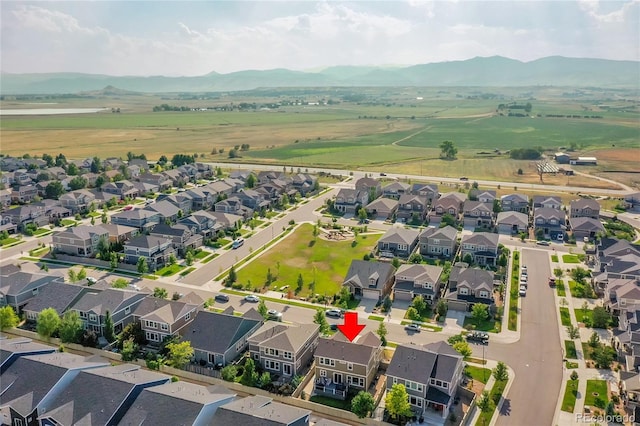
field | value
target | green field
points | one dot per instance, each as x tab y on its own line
478	373
298	254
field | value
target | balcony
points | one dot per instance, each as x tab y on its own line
326	387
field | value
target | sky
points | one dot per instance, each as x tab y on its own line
196	38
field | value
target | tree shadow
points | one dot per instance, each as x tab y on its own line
312	243
505	409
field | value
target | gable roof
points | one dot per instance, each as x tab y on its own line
548	213
284	337
146	241
585	223
111	299
85	232
361	271
20	282
215	332
515	198
360	351
584	203
512	218
56	295
382	204
482	238
474	278
448	233
422	273
400	236
170	312
420	363
258	411
11	349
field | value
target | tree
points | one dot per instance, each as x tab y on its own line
72	169
143	268
133	331
382	333
179	353
160	293
71	327
468	259
386	304
419	304
129	350
82	274
397	401
229	373
100	180
362	404
501	373
455	339
232	277
188	259
396	262
484	402
362	214
8	318
249	375
172	259
113	260
73	276
463	348
573	332
480	312
594	340
182	159
108	327
603	356
264	379
53	190
442	308
48	323
262	309
601	318
251	181
413	314
320	319
579	274
77	182
574	375
448	150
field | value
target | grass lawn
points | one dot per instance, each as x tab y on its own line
39	251
201	255
41	231
581	314
554	258
210	258
560	288
478	373
169	270
513	292
489	325
90	214
186	271
68	222
376	318
571	365
570	258
496	390
8	241
325	262
570	349
335	403
596	389
565	317
570	395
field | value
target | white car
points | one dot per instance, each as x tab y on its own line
523	290
524	277
413	328
272	314
252	298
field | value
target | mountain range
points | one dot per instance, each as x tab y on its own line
493	71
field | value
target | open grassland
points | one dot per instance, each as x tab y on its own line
326	262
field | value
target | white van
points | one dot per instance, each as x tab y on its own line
237	243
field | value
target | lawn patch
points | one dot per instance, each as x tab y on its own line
560	288
376	318
584	315
565	317
570	395
169	270
554	257
513	292
570	349
495	393
331	402
41	232
579	290
570	365
68	222
596	389
210	258
201	254
478	373
186	271
570	258
490	325
8	241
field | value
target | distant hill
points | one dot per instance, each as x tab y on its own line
494	71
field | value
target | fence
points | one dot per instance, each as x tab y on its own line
95	262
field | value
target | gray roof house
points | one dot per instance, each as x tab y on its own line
551	221
167	319
369	280
227	220
285	350
477	214
80	240
468	286
430	373
632	202
429	190
482	195
371	186
482	246
219	338
547	201
180	235
512	222
417	280
350	200
156	250
83	401
396	189
32	382
17	289
585	227
78	200
449	203
13	349
260	411
412	207
201	222
382	208
56	295
178	404
515	203
93	306
166	209
139	218
438	242
585	207
398	242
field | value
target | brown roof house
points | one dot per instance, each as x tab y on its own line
369	280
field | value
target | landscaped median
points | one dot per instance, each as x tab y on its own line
513	292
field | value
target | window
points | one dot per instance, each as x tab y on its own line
273	352
349	366
323	373
256	357
127	310
164	327
445	385
355	381
395	380
416	402
93	318
463	290
327	361
151	336
34	292
188	316
272	365
150	324
17	422
83	314
287	355
32	316
286	369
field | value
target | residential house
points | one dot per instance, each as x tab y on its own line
177	177
396	189
201	222
202	198
398	242
133	171
22	177
177	403
260	410
632	202
369	185
430	373
369	280
428	190
12	349
139	218
77	403
227	221
551	221
350	200
342	365
119	233
121	189
94	305
438	242
167	320
221	187
161	181
77	201
252	199
285	350
166	210
42	188
180	235
113	163
478	214
6	225
616	258
234	206
412	208
24	194
585	227
483	196
468	286
5	198
155	250
205	170
417	280
32	382
143	165
242	175
80	240
515	203
18	288
145	188
450	203
304	183
585	207
21	216
547	202
481	246
266	176
56	295
182	200
382	208
219	338
512	222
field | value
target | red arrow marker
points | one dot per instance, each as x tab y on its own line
350	328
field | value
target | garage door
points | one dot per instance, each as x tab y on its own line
370	294
403	295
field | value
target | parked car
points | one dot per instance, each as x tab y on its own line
523	290
464	178
478	336
127	208
335	313
237	243
274	315
543	243
252	298
524	277
552	281
91	280
413	328
221	297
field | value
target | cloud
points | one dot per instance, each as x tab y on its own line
41	19
593	9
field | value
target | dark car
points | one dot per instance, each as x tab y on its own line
221	298
464	178
478	336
